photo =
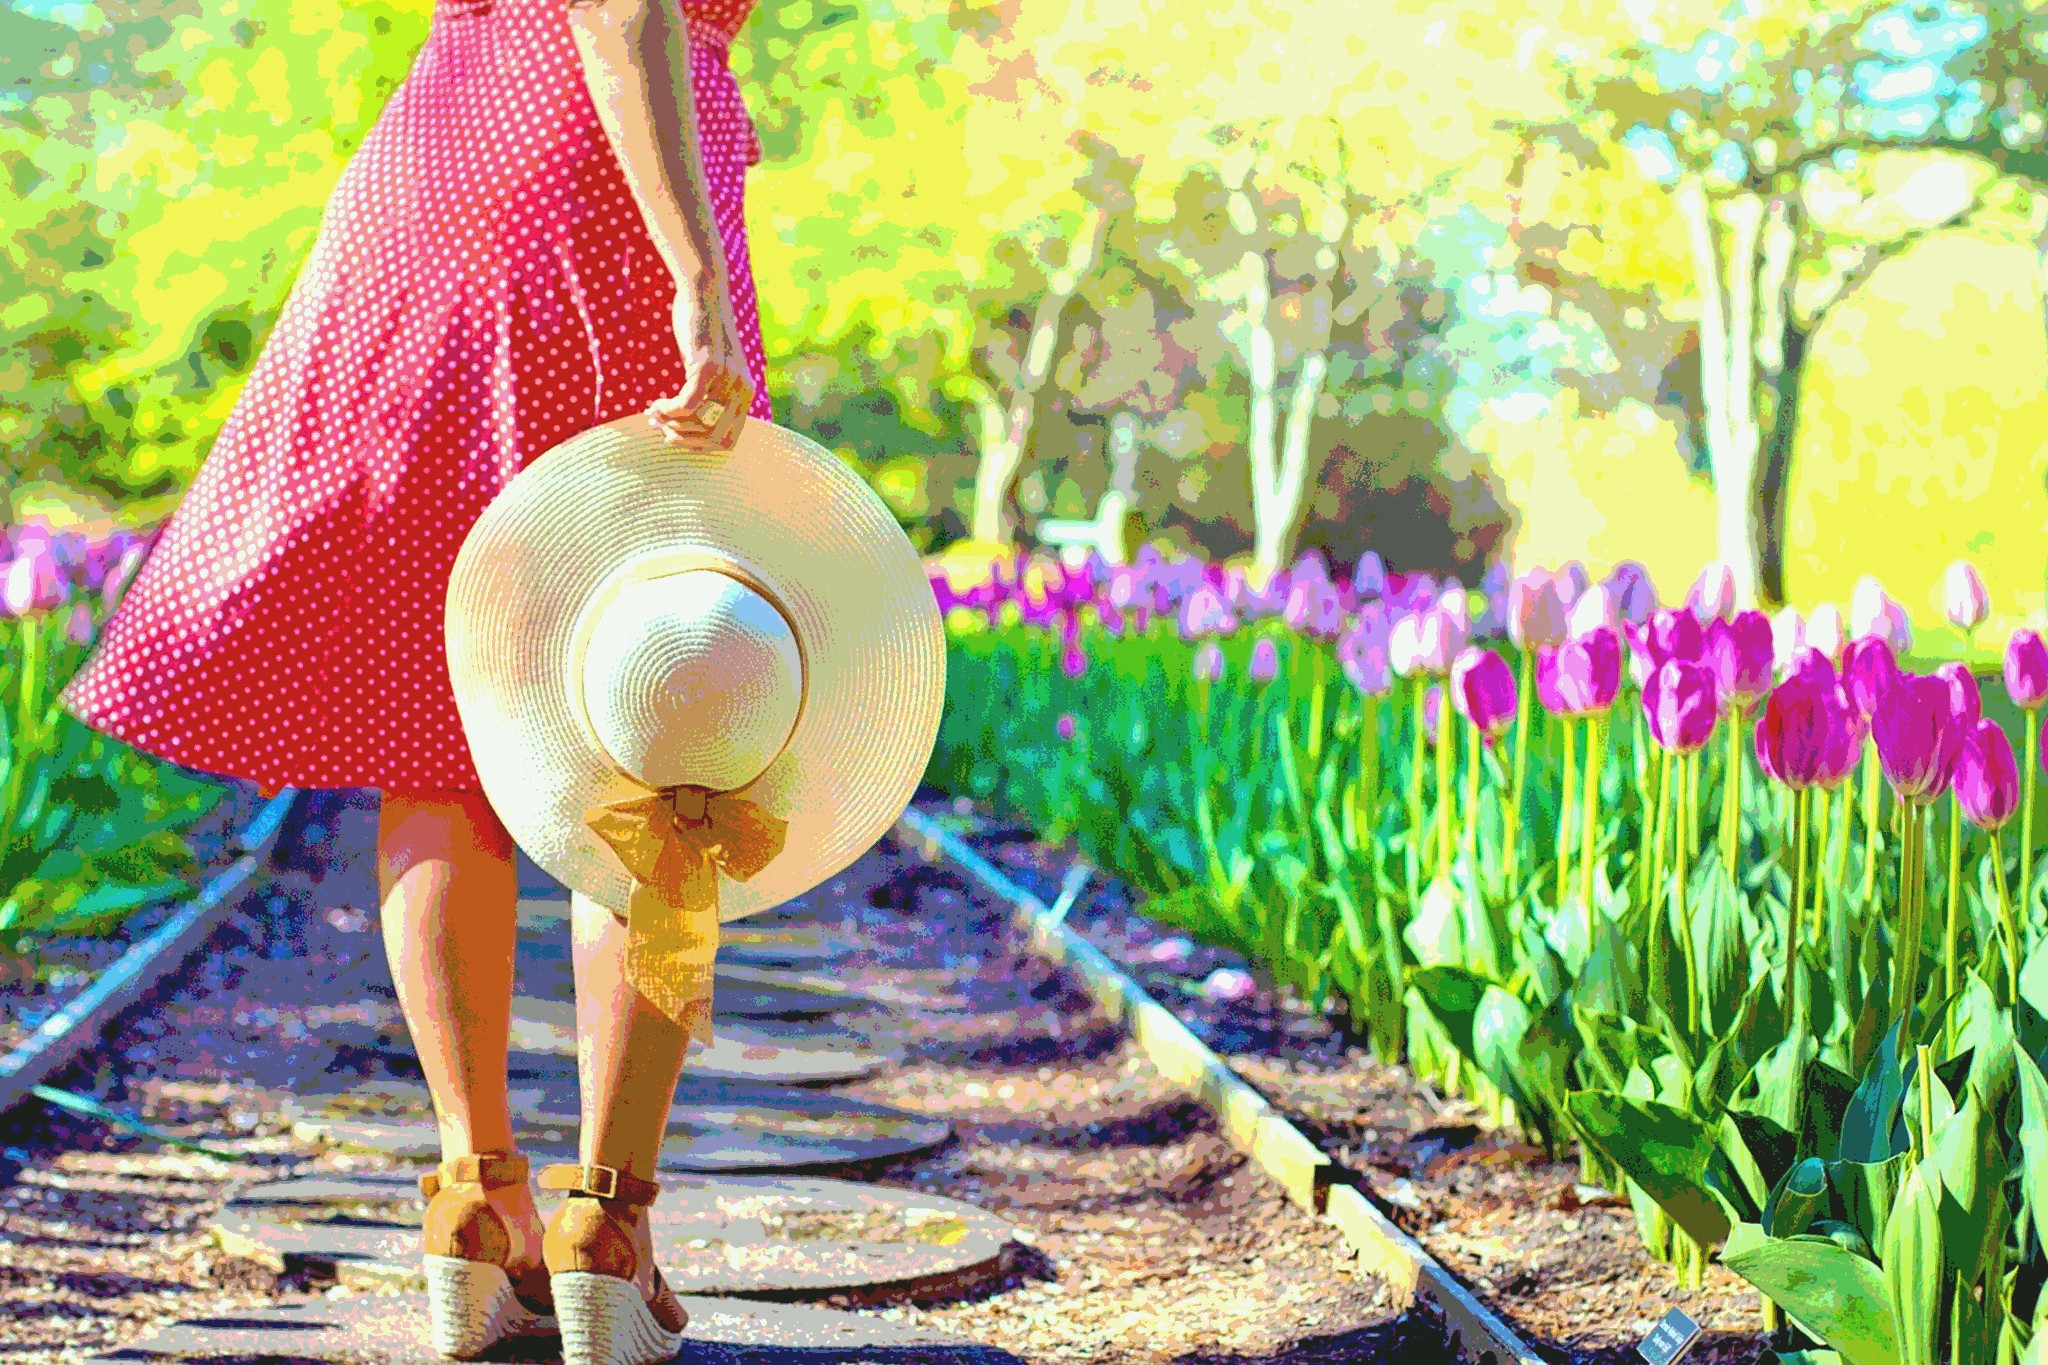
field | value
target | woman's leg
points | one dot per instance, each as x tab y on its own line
629	1057
450	909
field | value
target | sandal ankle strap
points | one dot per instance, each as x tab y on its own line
600	1182
492	1170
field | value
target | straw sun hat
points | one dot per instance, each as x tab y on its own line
695	684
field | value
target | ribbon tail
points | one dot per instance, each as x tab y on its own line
670	948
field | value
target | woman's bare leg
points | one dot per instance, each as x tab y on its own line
629	1056
450	910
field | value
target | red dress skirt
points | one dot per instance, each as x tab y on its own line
482	287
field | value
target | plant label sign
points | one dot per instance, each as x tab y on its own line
1669	1339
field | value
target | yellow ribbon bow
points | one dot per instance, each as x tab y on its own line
674	842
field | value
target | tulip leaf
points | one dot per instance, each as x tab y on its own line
1800	1198
1835	1294
2033	1138
1873	1114
1970	1160
1868	1190
1913	1263
1668	1153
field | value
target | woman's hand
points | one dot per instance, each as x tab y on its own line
717	370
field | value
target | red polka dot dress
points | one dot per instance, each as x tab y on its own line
482	287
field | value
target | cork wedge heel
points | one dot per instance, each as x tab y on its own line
591	1257
473	1301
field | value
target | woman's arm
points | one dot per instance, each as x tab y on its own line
636	62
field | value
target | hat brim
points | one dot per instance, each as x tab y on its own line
792	516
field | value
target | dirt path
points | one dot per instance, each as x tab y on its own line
1142	1237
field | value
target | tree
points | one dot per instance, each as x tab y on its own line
1788	167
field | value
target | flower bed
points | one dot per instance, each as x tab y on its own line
1729	904
97	840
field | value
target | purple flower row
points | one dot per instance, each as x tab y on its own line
44	569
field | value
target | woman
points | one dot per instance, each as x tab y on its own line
543	232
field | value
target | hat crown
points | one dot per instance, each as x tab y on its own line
691	678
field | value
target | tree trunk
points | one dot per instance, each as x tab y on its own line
1728	307
1006	426
1787	386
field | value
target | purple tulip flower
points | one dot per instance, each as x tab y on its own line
1065	725
1868	670
1596	607
1681	706
1801	730
1265	663
1635	596
78	629
1987	779
1209	662
1966	703
1740	652
1916	738
1369	579
1589	672
1483	689
1074	660
1536	610
2026	670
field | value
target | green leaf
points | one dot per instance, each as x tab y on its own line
1667	1152
1799	1199
2033	1138
1832	1292
1868	1127
1913	1265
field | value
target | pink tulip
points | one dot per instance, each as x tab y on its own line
1575	581
1813	665
1589	672
1547	693
1868	671
1963	596
1713	592
1849	733
2026	670
1065	725
1536	610
1074	660
1801	730
79	628
1204	613
33	585
1873	612
1916	740
1965	702
1987	779
1265	663
1739	653
1483	689
1209	662
1681	706
1362	654
1677	635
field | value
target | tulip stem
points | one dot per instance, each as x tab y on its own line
1589	825
1906	959
1870	834
1795	924
1692	989
1315	711
1446	764
1564	809
2033	730
2010	921
1823	837
1652	854
24	746
1415	823
1514	822
1473	745
1731	791
1952	930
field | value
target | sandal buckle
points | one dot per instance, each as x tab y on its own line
611	1181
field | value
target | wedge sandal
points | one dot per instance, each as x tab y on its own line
592	1260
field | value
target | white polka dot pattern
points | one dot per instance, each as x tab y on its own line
482	287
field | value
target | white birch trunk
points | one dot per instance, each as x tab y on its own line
1006	426
1728	343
